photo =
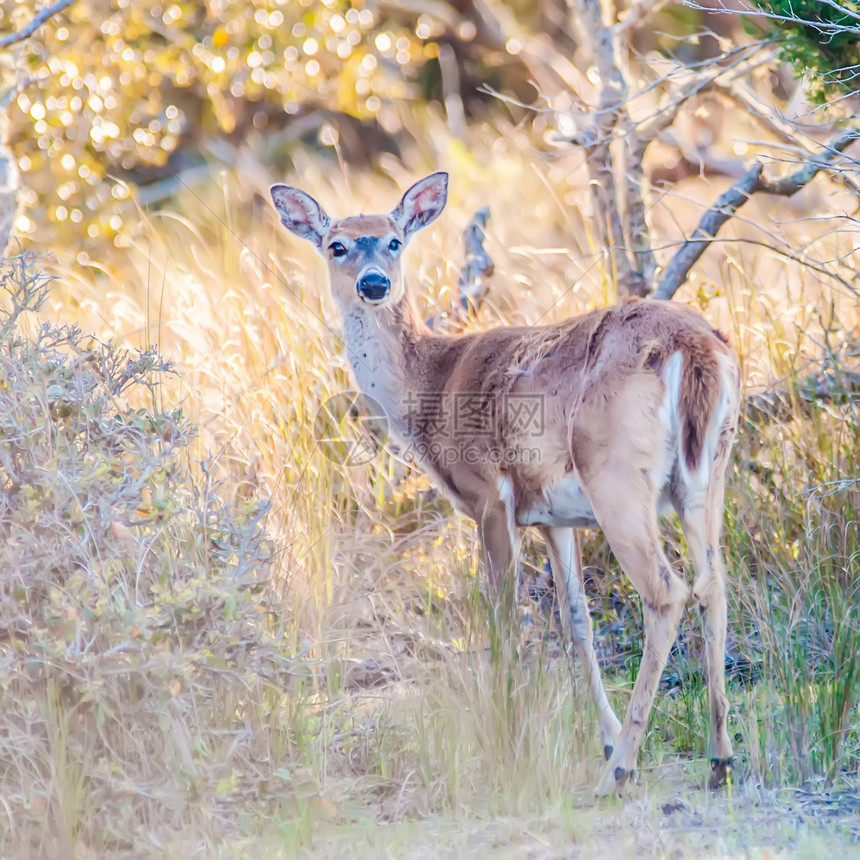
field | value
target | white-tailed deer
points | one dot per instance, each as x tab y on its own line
601	421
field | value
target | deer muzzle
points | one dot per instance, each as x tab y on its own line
373	286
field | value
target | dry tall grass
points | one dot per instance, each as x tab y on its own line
354	685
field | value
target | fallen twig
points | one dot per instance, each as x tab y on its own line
477	269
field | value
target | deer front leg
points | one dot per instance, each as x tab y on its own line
565	561
498	532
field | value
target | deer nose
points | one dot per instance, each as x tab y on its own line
373	286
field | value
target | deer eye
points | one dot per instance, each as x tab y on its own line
395	245
338	249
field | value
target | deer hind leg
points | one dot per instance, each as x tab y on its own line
701	516
626	510
565	560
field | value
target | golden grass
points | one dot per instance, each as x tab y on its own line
400	713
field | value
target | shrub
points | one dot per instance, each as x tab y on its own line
141	669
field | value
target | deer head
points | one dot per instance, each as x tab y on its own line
363	252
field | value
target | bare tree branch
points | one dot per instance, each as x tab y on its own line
725	207
638	186
825	28
638	140
729	202
777	124
789	185
756	107
39	19
635	15
694	83
781	404
614	143
770	119
596	139
638	240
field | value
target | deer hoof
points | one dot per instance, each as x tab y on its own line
614	780
607	751
721	769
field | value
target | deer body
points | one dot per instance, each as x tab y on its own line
604	420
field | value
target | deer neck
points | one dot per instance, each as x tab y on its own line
390	350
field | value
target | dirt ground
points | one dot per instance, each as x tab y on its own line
766	828
662	818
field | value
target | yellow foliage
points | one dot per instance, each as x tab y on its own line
117	93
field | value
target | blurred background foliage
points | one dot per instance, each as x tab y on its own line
114	95
122	92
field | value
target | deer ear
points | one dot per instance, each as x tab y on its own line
300	213
422	203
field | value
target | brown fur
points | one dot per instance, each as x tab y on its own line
589	354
